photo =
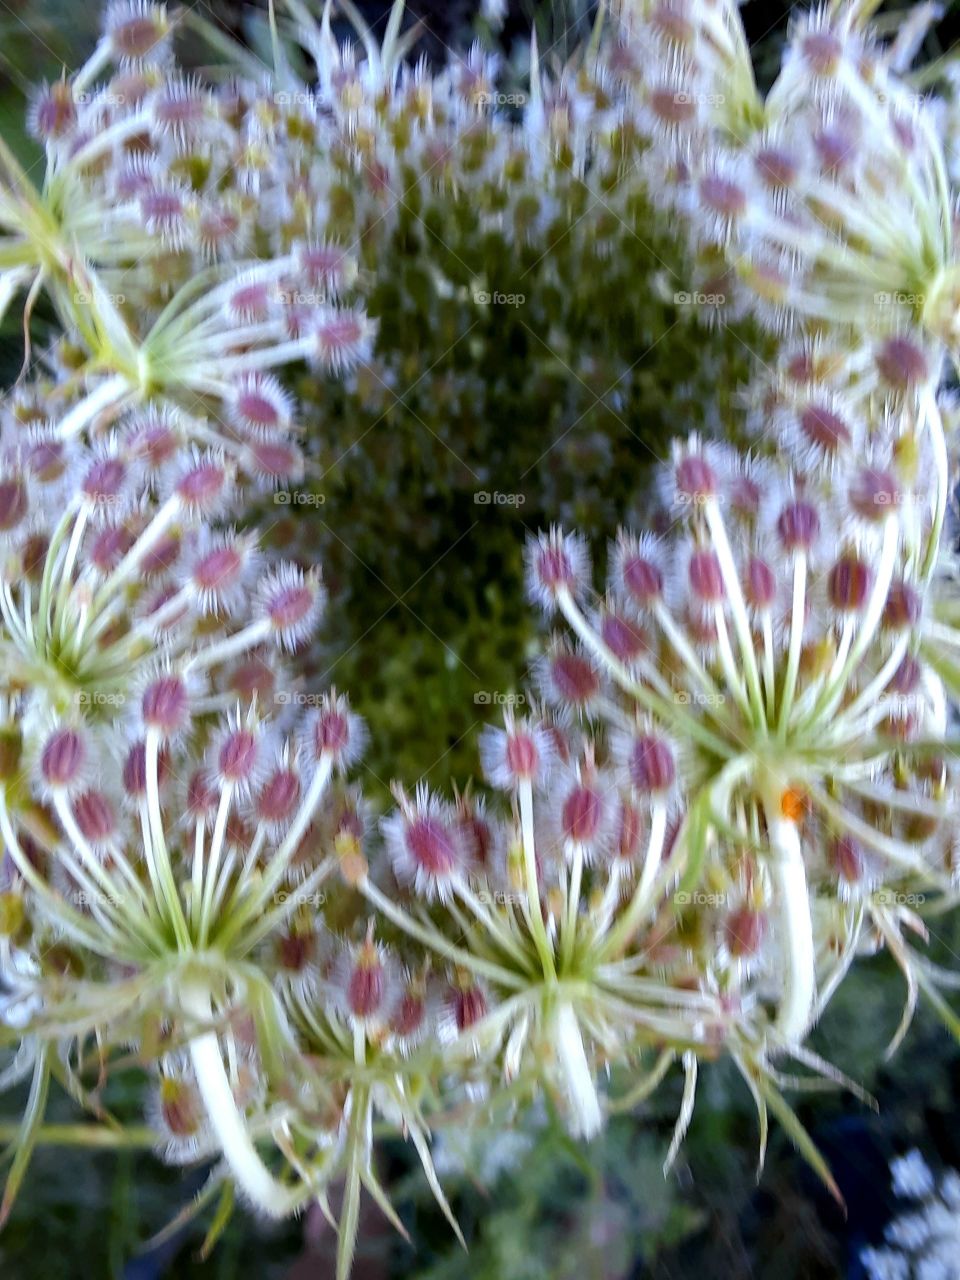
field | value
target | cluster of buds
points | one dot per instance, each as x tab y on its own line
825	204
160	238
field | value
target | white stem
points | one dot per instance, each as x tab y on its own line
107	394
792	903
738	608
581	1091
250	1173
531	907
797	618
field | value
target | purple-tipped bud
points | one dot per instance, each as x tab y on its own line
825	429
136	30
706	577
651	765
583	815
134	775
14	503
278	798
849	583
202	485
907	678
238	756
63	758
902	364
728	200
776	168
556	562
874	494
467	1007
625	638
846	857
798	526
695	478
335	732
95	817
760	587
425	845
903	607
109	547
744	932
260	406
291	601
342	339
822	51
571	679
166	705
53	112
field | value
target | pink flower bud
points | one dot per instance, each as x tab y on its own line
335	732
109	547
14	503
95	817
202	485
556	562
625	638
744	932
277	800
136	30
874	494
424	845
760	587
695	478
824	429
651	764
291	601
63	759
846	857
798	526
342	339
849	583
902	364
570	679
52	114
165	706
259	406
637	571
134	775
468	1005
903	607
